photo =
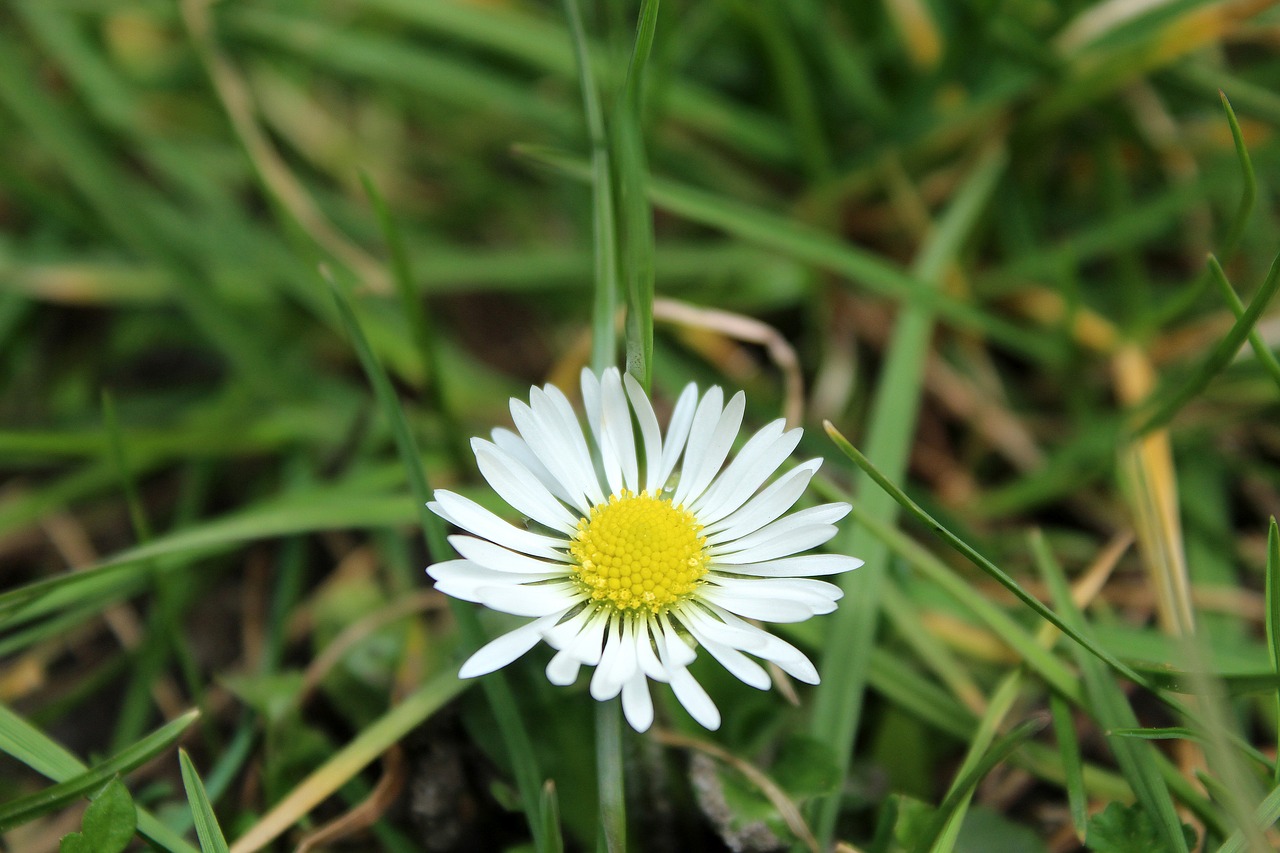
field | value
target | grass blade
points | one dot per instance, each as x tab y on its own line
207	829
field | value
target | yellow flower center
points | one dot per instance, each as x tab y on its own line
639	552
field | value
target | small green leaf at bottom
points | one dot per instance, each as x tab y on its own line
1122	828
109	823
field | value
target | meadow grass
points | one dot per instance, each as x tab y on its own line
266	267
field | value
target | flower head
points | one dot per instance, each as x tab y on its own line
641	547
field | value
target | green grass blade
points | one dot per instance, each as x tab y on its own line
969	779
1273	611
1111	709
1260	349
604	334
1167	403
1064	729
422	326
206	822
635	217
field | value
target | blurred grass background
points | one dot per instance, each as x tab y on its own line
971	235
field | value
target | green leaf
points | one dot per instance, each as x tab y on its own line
109	823
806	767
1128	829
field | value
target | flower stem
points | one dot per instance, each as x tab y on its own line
610	782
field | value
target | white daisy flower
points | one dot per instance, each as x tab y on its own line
633	565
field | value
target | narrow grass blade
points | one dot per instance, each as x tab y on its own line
963	788
1064	729
635	217
372	741
206	822
1260	348
1266	816
497	690
1167	403
604	334
1273	611
33	748
1110	707
422	326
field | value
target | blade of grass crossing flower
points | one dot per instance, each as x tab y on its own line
422	327
604	334
838	700
1167	403
1064	729
33	748
1273	613
635	217
497	690
1112	711
1260	348
206	822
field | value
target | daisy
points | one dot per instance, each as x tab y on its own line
640	548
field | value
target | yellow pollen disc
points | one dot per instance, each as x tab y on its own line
639	552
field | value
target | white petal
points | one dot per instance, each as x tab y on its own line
771	648
755	463
649	432
559	406
672	649
739	665
777	498
677	432
502	651
769	610
798	567
783	545
592	402
748	638
615	422
824	514
548	449
563	669
805	590
694	699
708	458
618	663
582	637
473	518
637	704
646	657
529	600
518	449
521	489
499	559
464	579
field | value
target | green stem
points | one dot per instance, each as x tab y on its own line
610	782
